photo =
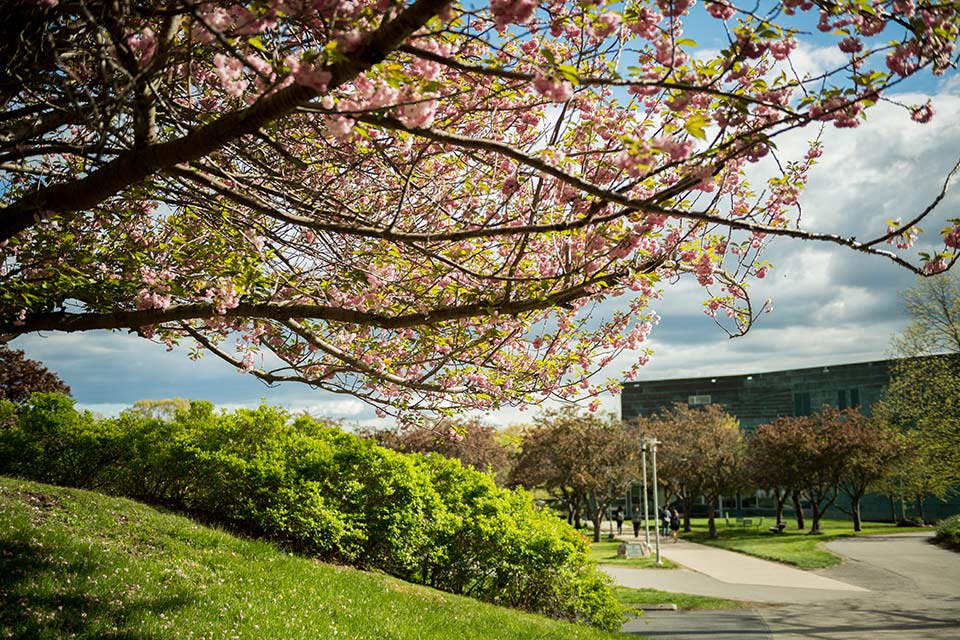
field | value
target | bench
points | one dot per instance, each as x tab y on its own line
743	523
778	528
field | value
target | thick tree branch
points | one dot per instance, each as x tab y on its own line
136	166
71	322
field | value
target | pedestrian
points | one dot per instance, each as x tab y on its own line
637	520
675	525
618	514
665	522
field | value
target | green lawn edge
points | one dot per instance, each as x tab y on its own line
794	547
637	599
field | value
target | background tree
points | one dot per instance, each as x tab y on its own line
818	448
676	465
701	453
467	439
20	377
165	410
871	461
923	396
587	458
771	464
419	202
547	459
928	475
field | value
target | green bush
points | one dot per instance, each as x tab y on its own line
496	546
948	531
324	492
50	441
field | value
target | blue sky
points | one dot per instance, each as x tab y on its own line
831	306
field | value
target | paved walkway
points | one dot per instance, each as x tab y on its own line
895	586
710	571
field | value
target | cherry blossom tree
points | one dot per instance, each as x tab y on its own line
423	202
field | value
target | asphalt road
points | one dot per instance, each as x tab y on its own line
913	593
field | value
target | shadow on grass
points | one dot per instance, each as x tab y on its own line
61	607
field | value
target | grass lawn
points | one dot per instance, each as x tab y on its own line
636	598
793	547
81	565
605	552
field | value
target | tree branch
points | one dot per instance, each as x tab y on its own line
135	166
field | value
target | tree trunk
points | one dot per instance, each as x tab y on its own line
920	510
597	524
798	508
815	515
711	516
781	498
687	503
893	508
855	509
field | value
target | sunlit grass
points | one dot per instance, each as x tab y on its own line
793	546
78	564
637	599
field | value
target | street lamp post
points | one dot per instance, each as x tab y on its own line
646	511
656	500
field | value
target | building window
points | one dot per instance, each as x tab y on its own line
854	397
698	400
848	398
801	403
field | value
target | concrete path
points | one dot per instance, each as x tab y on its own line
737	568
895	586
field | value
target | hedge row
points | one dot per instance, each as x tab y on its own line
321	491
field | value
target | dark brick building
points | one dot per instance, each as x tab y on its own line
758	398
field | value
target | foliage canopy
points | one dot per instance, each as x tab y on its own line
421	202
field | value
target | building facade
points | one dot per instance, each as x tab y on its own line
759	398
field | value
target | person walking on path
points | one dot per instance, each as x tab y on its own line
637	520
619	517
665	522
675	525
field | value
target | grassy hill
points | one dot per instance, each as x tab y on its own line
79	564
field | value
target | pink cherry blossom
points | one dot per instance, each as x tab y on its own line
923	114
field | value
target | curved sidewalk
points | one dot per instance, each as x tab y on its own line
726	574
888	587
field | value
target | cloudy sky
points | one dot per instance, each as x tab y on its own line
831	306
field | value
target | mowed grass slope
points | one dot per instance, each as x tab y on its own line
79	564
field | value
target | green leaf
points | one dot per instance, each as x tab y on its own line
569	73
696	126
